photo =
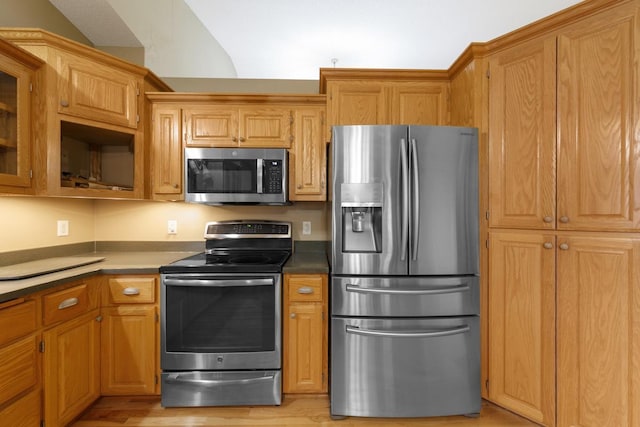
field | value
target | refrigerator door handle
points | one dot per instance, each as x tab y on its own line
405	200
432	291
415	227
408	334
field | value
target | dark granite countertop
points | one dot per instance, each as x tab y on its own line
307	259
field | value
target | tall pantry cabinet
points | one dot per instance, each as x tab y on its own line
564	217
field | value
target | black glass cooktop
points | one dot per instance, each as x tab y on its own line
249	261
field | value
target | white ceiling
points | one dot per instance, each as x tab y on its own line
292	39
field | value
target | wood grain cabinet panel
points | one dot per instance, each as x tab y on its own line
305	334
25	412
19	370
166	153
599	153
71	368
308	156
522	142
522	323
98	92
419	103
598	331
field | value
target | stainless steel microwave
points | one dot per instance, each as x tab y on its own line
218	176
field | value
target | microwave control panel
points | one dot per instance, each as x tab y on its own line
272	178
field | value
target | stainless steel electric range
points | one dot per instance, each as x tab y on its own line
221	316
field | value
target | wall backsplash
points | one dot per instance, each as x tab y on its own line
31	222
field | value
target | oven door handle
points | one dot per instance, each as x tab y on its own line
408	334
176	379
432	291
202	281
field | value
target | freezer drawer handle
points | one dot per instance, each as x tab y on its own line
433	291
176	379
171	281
408	334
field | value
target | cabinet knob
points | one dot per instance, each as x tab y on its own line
242	139
99	319
305	290
175	186
564	219
564	246
548	245
131	291
547	219
299	186
64	103
234	139
292	315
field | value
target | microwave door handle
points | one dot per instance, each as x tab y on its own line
176	281
259	173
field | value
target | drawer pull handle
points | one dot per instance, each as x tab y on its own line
305	290
69	302
131	291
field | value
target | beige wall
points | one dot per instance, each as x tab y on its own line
31	222
147	221
38	14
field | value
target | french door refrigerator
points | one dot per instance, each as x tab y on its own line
405	303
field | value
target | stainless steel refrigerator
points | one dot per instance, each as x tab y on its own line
405	338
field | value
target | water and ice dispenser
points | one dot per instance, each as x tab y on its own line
361	217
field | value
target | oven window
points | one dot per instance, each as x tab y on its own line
222	176
210	319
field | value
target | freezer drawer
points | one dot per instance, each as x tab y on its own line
405	296
405	367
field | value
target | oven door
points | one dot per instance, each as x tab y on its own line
215	321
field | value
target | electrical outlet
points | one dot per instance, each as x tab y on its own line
63	227
306	228
172	226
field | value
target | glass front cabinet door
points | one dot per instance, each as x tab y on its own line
17	73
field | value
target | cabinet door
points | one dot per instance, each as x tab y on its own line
356	103
305	337
265	127
522	147
211	126
95	91
599	153
598	331
522	324
129	350
308	157
15	124
419	103
71	368
166	153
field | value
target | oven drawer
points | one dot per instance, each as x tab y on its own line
405	296
202	388
410	367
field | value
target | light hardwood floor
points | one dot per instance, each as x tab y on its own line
299	410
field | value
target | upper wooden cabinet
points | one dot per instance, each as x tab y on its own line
103	93
18	75
89	136
265	121
375	97
238	126
563	150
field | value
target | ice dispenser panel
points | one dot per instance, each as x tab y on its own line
361	217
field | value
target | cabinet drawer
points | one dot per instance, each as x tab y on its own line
17	318
23	412
19	368
65	304
305	288
123	290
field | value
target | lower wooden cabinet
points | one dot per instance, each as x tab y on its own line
305	331
522	323
129	335
25	412
71	368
